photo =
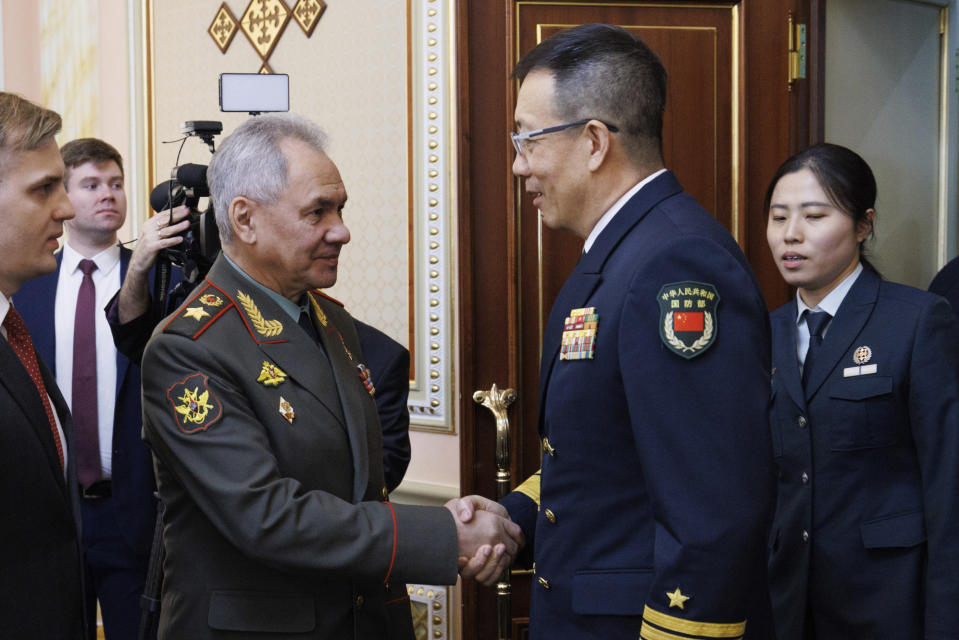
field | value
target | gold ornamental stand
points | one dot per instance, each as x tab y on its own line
498	402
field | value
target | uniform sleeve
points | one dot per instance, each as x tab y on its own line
700	422
934	420
522	503
222	457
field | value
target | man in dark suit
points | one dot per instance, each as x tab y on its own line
116	475
650	513
258	408
41	593
389	364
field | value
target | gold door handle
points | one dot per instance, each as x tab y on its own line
498	403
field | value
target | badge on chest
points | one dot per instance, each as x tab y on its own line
579	334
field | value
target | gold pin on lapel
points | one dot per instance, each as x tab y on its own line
271	375
286	410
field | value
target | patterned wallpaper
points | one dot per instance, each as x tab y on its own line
354	87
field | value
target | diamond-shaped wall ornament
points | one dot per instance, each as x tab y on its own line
223	28
263	22
307	14
265	69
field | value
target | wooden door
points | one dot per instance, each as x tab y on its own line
731	117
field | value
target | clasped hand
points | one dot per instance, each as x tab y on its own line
488	539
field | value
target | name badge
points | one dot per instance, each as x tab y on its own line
862	370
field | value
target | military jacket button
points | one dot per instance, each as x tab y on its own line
805	536
360	600
550	515
543	581
804	478
802	422
386	494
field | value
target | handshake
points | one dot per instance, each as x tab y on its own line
488	539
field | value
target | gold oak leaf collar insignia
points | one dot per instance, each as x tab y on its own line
266	328
677	599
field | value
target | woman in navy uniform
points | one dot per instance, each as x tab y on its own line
865	422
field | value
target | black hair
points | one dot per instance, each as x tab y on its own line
607	73
843	175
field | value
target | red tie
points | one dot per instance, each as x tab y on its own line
83	407
19	339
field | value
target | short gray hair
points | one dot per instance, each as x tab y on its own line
250	162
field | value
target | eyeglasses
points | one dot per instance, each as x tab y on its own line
519	139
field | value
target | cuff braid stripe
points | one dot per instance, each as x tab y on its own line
651	633
693	628
530	487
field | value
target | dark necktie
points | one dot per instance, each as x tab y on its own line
816	322
84	395
306	323
22	345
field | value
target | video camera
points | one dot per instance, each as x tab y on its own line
201	242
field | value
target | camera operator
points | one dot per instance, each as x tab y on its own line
156	235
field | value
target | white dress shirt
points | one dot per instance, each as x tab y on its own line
106	280
613	210
829	304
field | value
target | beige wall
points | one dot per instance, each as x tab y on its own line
73	57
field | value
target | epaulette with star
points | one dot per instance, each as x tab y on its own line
196	315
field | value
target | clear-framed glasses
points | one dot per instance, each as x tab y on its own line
519	139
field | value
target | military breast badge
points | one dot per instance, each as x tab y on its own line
579	334
688	323
861	356
286	410
271	375
195	407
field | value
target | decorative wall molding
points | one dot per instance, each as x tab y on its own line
433	165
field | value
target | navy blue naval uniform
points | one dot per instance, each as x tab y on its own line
650	515
864	541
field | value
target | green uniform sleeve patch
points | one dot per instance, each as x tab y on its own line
195	407
688	318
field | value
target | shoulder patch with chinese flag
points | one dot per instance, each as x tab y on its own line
688	322
195	407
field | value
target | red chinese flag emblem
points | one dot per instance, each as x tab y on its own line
688	321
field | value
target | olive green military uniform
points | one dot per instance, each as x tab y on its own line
267	453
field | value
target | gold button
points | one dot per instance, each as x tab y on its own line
544	582
386	494
386	586
547	447
360	600
550	516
